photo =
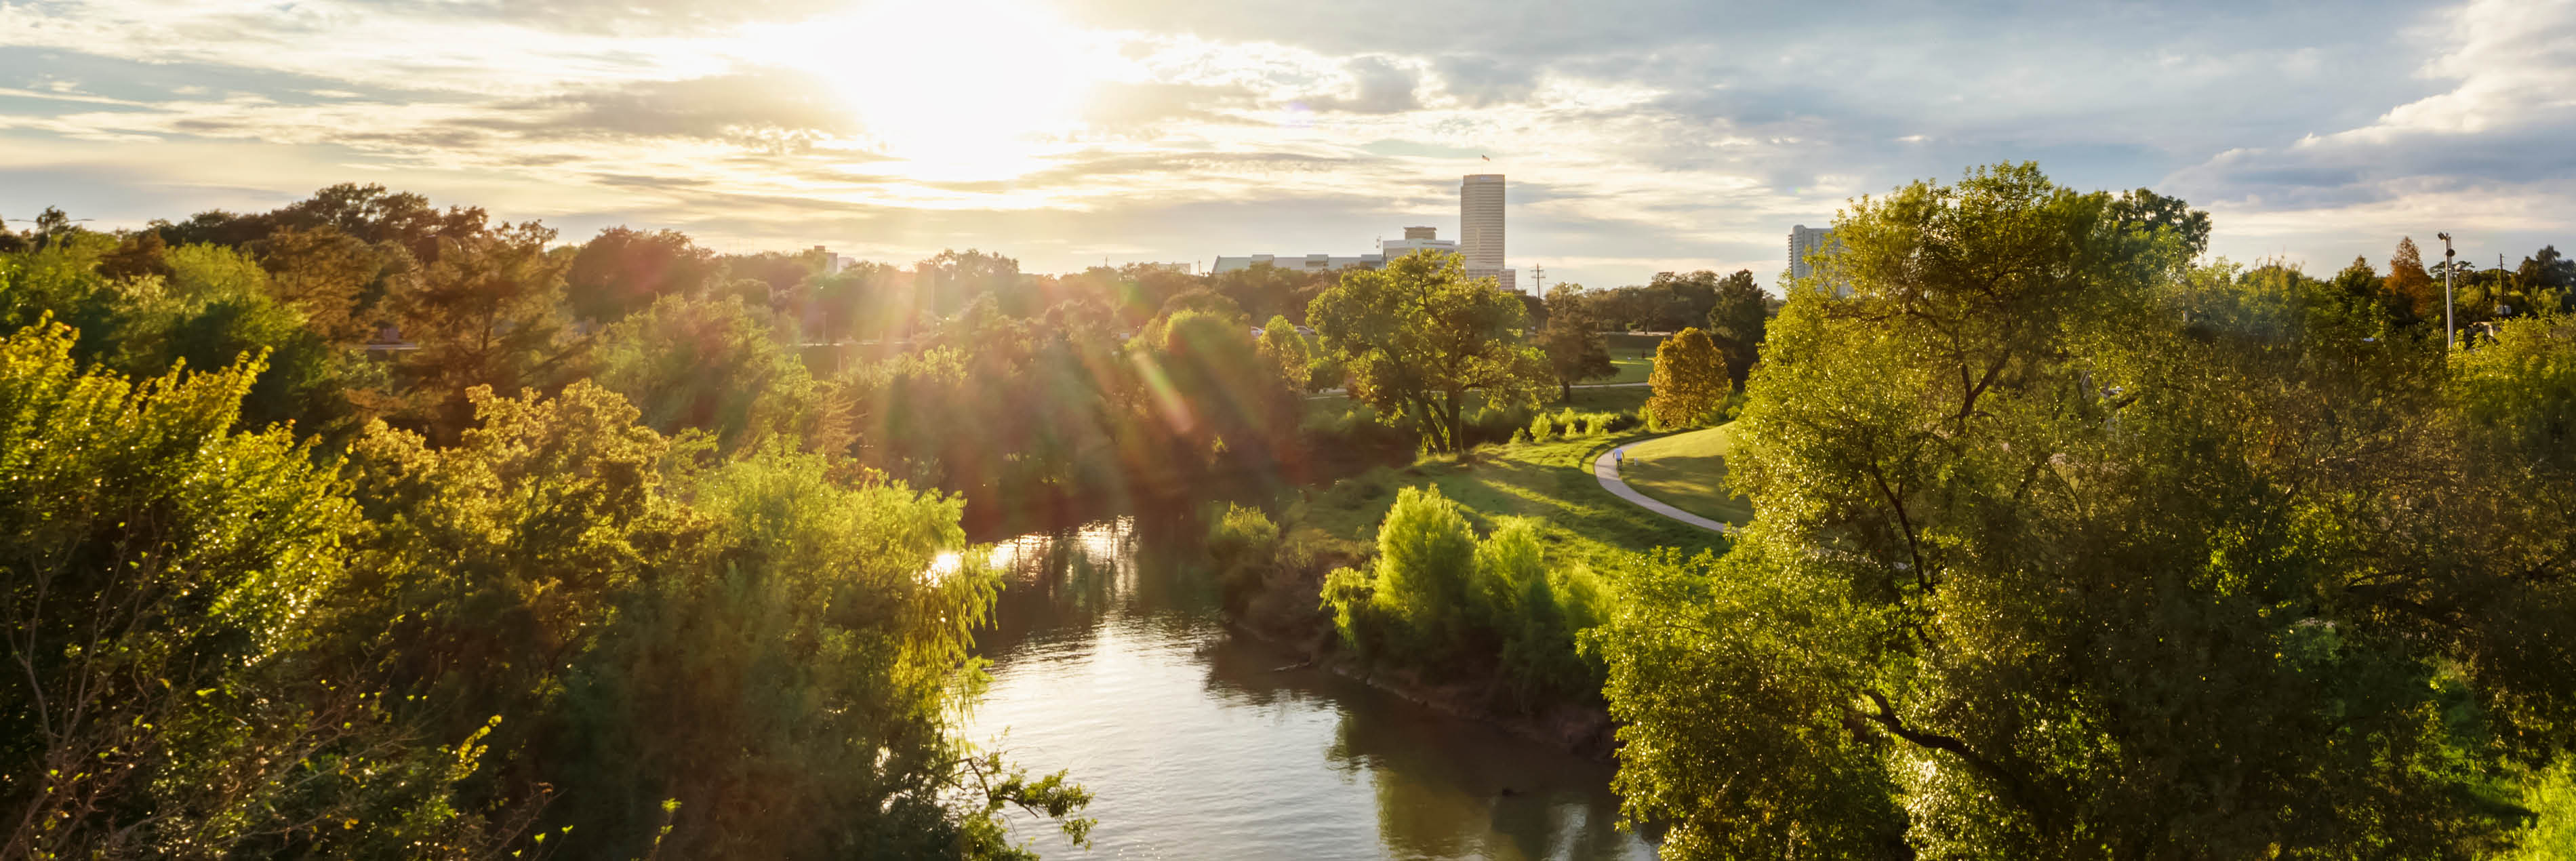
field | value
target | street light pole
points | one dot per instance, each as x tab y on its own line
2450	336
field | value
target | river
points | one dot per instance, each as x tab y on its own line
1109	659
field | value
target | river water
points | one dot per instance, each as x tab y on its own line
1109	659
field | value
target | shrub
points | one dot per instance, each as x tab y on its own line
1245	545
1542	428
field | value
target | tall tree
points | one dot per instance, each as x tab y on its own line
2410	289
327	275
622	270
1571	339
488	313
1736	323
1690	381
1418	335
2038	564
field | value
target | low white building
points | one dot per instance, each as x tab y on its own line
1415	239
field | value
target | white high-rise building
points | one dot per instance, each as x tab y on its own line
1480	228
1804	242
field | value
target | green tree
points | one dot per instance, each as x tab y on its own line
161	578
1572	341
1736	323
1418	335
1287	353
1690	381
2069	575
622	270
487	313
705	364
331	277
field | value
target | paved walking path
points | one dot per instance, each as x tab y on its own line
1606	468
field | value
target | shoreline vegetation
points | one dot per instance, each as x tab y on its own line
365	528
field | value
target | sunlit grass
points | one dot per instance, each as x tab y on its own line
1551	481
1688	471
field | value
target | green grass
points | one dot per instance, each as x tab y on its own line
1615	400
1688	471
1550	481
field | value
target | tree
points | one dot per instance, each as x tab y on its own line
1736	323
952	279
1287	353
1418	335
622	270
487	313
163	573
2039	564
705	364
326	274
1575	349
1690	381
2410	290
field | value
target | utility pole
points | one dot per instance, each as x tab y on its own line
2450	338
1538	280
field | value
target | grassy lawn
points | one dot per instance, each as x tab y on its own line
1618	400
1634	355
1549	481
1688	471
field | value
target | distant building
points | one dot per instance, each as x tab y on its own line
1299	262
1174	268
1804	244
833	264
1480	228
1479	243
1415	239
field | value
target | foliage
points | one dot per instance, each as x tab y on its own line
1737	322
622	271
1287	353
706	364
1571	340
1416	336
1690	381
164	573
485	314
2076	549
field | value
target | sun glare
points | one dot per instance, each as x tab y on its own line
969	88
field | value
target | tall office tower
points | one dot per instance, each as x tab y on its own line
1480	227
1804	242
1480	220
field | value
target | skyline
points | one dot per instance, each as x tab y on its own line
1642	137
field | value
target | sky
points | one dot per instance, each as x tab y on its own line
1637	136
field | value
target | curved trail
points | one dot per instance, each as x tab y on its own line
1606	468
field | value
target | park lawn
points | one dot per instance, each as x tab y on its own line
1688	471
1616	399
1549	481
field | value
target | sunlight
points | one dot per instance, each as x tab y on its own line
957	90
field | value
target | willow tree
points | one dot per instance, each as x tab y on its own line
2046	569
1417	336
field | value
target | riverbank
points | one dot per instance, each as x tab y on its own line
1580	526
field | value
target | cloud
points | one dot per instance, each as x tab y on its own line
1480	81
1378	85
2505	118
750	103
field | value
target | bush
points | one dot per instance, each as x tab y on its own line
1439	597
1245	545
1542	428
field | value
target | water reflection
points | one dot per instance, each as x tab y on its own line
1109	659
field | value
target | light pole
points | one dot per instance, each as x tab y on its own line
2450	337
